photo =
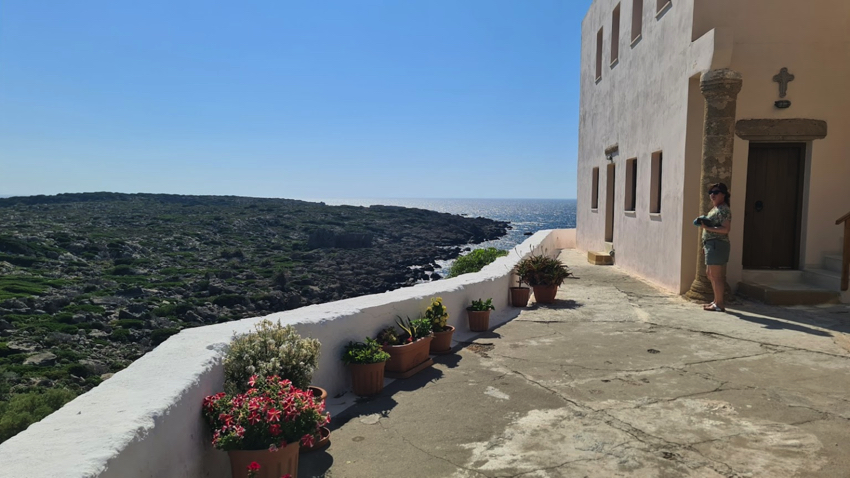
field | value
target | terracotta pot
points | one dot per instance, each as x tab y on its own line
273	464
319	393
367	378
519	296
407	356
325	433
545	294
442	341
479	320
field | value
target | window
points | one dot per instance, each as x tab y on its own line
655	184
599	55
662	5
637	19
615	35
631	184
594	190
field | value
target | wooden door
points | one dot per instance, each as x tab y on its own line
772	212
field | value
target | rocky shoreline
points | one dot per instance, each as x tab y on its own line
90	282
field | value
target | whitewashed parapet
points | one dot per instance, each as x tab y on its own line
145	421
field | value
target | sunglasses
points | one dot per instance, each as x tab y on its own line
715	191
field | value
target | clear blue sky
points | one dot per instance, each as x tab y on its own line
338	99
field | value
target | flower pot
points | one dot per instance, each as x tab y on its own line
325	438
442	342
405	357
479	320
273	464
367	378
519	296
545	294
319	393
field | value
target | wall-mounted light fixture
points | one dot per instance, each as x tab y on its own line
612	151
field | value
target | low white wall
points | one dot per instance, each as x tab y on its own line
145	421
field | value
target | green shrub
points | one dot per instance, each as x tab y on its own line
24	409
122	270
475	261
120	335
229	300
160	335
130	323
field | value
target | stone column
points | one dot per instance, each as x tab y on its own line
720	89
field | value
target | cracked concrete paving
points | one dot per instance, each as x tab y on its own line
618	378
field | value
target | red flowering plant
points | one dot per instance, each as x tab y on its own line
270	414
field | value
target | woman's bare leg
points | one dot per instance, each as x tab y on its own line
717	285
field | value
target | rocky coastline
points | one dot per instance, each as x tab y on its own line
90	282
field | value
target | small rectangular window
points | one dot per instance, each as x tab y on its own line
615	35
637	19
599	55
594	190
662	5
631	184
655	184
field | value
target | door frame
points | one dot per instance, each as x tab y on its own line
804	149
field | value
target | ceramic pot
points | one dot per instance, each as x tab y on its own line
407	356
367	378
479	320
442	342
325	434
273	464
519	296
545	294
319	393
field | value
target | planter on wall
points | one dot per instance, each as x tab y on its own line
519	296
407	359
545	294
442	342
479	320
319	393
324	439
273	464
367	378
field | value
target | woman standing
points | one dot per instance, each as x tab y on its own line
715	240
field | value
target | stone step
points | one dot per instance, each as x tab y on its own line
788	293
600	258
832	262
825	279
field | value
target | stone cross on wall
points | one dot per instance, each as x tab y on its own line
783	78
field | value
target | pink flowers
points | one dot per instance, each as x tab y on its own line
275	413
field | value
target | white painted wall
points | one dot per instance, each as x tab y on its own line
641	104
145	421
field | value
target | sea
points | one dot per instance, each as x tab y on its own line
526	216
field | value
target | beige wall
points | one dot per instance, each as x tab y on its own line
641	104
811	39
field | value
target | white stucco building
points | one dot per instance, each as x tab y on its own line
643	128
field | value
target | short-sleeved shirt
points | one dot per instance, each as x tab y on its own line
716	217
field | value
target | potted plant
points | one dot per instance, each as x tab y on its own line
479	315
439	316
520	295
272	349
544	275
266	424
408	350
366	360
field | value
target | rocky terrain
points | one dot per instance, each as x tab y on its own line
90	282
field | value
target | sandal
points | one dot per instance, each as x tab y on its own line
715	308
707	306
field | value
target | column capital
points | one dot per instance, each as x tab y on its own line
723	82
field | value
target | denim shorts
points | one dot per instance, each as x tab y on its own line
716	252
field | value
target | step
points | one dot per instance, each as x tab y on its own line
832	262
599	258
787	293
825	279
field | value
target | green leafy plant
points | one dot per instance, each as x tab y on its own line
388	336
369	351
481	305
541	270
271	349
437	314
414	329
475	261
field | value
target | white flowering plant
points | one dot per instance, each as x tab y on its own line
271	349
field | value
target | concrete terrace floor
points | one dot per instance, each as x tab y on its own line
618	378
